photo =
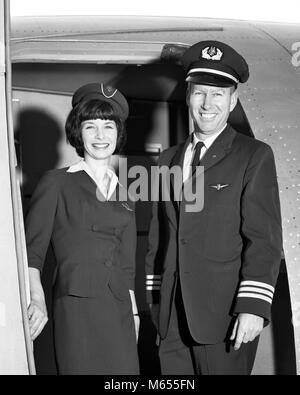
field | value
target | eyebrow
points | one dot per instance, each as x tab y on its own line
106	121
217	89
220	89
88	121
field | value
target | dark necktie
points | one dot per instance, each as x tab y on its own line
197	153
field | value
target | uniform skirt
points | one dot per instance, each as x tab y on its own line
95	336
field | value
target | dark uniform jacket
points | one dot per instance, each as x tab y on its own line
227	255
94	242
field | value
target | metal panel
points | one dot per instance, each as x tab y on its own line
271	101
13	354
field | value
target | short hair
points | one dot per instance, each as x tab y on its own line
91	110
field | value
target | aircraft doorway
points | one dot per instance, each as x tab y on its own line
156	92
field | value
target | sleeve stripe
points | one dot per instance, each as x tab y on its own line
155	282
153	277
257	290
150	288
253	296
258	284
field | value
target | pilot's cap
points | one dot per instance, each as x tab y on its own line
105	93
214	63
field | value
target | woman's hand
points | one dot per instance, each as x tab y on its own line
37	311
38	317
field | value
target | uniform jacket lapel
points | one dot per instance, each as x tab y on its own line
85	181
220	148
178	160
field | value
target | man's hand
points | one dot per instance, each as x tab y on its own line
38	317
246	329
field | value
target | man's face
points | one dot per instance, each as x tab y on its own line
210	107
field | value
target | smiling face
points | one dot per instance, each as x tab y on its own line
99	138
210	107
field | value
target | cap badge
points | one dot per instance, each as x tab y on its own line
108	91
212	53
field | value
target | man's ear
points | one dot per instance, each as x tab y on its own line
188	94
187	100
234	100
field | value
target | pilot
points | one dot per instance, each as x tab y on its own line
211	271
83	212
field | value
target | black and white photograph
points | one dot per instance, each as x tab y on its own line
150	191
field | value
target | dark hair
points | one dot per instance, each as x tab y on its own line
87	110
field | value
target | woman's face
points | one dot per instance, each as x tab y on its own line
99	138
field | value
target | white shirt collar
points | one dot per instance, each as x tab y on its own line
76	168
208	142
190	152
99	177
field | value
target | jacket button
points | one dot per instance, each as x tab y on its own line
183	242
117	232
108	264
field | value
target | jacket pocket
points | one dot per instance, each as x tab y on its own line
82	280
222	241
118	284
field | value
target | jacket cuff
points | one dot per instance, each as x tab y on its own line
255	298
153	285
35	264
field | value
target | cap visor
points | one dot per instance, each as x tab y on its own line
210	79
